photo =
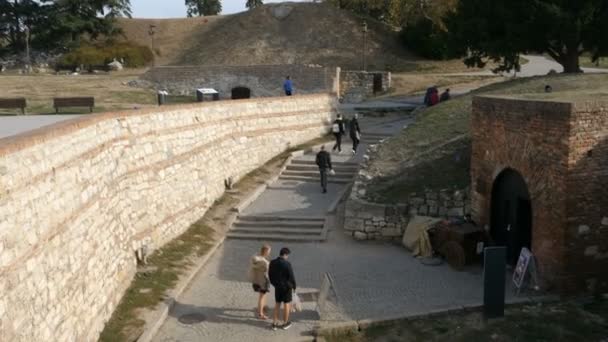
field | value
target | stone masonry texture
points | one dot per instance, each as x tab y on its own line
561	150
77	199
262	80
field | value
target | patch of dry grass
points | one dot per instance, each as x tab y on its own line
111	91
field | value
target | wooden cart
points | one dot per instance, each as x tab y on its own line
457	243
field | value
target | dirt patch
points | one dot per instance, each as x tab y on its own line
568	321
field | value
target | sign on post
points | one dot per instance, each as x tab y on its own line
525	265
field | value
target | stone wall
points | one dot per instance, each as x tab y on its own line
262	80
366	220
560	150
355	86
77	199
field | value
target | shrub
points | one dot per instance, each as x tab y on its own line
428	40
95	55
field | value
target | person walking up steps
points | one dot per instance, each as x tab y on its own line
288	86
355	133
258	275
324	163
284	282
338	131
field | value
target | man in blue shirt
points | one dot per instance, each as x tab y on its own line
288	86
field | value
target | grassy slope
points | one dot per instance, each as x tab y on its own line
422	146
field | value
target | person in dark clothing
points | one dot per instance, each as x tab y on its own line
281	277
288	86
338	131
445	96
355	132
324	163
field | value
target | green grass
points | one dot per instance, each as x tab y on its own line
556	322
586	62
428	139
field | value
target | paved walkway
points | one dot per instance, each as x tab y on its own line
12	125
373	280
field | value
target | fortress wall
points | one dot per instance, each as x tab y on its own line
77	199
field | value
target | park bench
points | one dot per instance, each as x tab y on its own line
62	102
12	103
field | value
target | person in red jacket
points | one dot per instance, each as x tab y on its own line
434	98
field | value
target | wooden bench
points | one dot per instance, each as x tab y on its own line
62	102
12	103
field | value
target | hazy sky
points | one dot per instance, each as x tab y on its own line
177	9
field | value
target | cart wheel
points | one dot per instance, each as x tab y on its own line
454	255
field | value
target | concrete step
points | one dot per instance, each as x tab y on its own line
262	218
277	231
276	237
316	174
315	179
314	167
312	162
279	224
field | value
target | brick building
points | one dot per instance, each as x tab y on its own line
540	180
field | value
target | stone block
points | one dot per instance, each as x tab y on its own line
433	210
458	195
591	251
360	236
413	211
351	224
432	202
416	201
423	210
370	229
391	232
389	211
443	211
605	221
456	212
431	196
583	229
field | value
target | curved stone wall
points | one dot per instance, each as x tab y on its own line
78	198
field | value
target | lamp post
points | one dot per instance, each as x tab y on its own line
151	33
28	60
364	46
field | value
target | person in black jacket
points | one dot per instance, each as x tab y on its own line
324	163
355	132
282	278
338	131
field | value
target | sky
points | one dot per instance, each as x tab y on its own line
177	9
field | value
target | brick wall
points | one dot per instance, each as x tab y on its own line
587	199
263	80
547	143
78	198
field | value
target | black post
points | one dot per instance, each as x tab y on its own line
494	278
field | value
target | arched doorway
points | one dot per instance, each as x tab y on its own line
511	216
241	93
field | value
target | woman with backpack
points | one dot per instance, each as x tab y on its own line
338	131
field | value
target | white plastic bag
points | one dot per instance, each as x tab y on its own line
297	303
332	172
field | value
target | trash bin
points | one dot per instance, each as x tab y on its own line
162	97
201	92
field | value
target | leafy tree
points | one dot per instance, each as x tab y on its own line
501	30
203	7
251	4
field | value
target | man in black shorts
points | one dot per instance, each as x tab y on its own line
282	278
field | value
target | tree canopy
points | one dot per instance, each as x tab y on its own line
501	30
203	7
53	23
251	4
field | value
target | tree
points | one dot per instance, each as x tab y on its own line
251	4
501	30
203	7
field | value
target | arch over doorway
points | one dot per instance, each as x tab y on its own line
511	215
241	93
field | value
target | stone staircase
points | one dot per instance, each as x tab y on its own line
279	228
307	171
